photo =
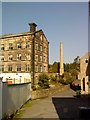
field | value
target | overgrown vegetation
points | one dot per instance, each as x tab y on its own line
66	81
43	80
55	67
53	78
71	71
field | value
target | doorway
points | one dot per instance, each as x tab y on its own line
83	84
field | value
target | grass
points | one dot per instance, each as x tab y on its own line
18	114
22	110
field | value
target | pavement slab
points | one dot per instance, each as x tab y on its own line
45	108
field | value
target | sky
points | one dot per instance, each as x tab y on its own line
60	21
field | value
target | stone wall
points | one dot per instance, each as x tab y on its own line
46	92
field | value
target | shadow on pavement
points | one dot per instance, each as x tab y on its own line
72	108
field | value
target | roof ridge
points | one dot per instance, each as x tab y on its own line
17	34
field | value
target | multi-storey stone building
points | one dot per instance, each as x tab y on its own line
24	56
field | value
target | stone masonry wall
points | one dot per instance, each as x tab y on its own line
46	92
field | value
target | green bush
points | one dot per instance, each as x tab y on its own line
61	81
43	80
68	80
53	78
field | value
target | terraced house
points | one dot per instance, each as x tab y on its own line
24	56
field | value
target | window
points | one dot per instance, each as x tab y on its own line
40	58
2	58
44	59
27	57
40	68
9	68
36	68
18	68
44	49
41	37
44	68
1	68
86	60
27	44
2	46
27	68
36	57
18	56
10	57
40	48
36	46
18	45
10	46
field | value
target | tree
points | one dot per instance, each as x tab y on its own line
54	68
43	80
53	78
66	74
67	80
67	67
77	60
74	73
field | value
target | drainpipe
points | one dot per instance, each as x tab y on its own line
33	59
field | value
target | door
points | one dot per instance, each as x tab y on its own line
83	84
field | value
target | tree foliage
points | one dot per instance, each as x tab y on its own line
66	81
43	80
54	68
70	69
53	78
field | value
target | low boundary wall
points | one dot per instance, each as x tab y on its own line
46	92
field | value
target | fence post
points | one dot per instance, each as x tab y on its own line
0	98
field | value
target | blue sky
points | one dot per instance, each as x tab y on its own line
66	22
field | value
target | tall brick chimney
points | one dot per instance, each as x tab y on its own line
32	27
61	59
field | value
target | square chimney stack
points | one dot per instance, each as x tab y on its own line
32	27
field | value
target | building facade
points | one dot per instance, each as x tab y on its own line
84	75
24	56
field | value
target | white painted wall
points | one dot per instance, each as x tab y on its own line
16	76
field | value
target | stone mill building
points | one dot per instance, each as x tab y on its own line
24	56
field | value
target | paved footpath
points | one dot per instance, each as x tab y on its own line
44	108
